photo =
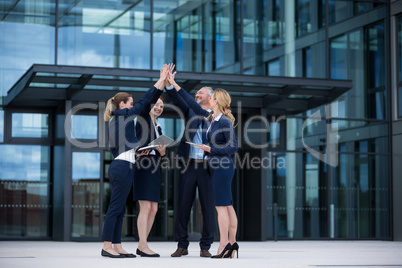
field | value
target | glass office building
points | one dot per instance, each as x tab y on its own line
316	90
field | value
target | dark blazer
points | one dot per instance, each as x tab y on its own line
192	122
221	137
144	127
122	135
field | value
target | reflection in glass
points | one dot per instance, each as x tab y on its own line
274	68
24	191
273	24
354	191
85	191
225	48
339	10
376	60
1	126
400	66
360	194
25	22
29	125
400	49
104	33
304	25
84	127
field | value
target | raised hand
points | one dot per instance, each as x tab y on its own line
162	76
171	77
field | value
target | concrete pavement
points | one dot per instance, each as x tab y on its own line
49	254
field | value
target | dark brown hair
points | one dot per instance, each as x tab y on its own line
113	104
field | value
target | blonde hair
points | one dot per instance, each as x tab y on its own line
223	98
113	104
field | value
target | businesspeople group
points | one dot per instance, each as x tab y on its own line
205	154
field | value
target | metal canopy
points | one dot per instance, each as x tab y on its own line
51	85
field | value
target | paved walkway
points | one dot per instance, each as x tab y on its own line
25	254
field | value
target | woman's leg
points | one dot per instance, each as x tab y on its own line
117	233
120	175
232	224
142	225
151	216
107	246
223	222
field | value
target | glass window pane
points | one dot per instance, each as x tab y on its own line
339	10
400	102
226	50
25	22
400	66
273	23
304	24
354	199
29	125
338	57
274	68
104	33
85	191
400	47
24	191
1	126
84	127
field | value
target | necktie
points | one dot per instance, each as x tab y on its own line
159	129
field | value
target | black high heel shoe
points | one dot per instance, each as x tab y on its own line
233	248
227	248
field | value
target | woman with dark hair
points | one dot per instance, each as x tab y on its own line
120	112
147	175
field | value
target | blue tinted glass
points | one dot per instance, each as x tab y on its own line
338	57
104	33
1	126
29	125
274	133
84	127
85	194
24	178
400	101
274	68
400	47
86	165
304	23
307	62
25	22
24	163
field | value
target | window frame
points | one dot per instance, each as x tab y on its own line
9	139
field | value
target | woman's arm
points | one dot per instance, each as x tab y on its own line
149	97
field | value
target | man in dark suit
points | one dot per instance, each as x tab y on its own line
193	174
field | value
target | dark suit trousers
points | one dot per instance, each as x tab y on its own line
195	176
121	179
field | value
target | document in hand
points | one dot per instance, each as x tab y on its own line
191	143
161	140
155	143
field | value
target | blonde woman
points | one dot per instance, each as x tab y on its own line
120	113
220	150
